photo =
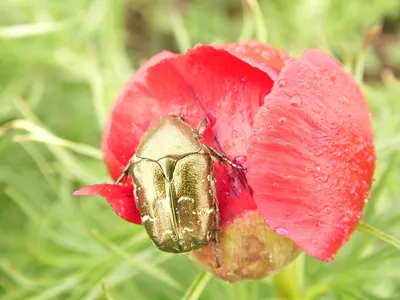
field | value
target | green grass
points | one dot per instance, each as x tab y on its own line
62	64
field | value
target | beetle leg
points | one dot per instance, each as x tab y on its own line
221	157
124	173
202	127
216	240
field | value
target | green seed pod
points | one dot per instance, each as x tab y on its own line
249	250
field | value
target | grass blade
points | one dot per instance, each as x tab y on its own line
197	286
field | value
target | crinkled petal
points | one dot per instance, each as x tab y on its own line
311	155
204	82
262	56
120	198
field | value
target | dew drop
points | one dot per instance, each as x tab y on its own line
282	82
282	120
316	75
332	75
330	258
275	184
234	133
243	79
240	160
328	209
295	100
282	231
286	214
240	49
310	216
305	85
270	127
122	210
121	202
317	223
314	242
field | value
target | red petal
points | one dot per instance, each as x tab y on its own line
262	56
120	197
311	157
113	163
203	82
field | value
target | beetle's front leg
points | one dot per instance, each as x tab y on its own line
202	127
221	157
125	172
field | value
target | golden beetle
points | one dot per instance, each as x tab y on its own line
174	186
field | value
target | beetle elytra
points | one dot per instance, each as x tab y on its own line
174	186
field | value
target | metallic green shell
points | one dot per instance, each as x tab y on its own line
174	187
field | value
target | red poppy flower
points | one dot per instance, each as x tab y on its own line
300	126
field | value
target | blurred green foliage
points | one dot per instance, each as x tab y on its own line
62	64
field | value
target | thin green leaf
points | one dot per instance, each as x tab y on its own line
378	234
197	286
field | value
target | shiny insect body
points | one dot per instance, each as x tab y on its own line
174	186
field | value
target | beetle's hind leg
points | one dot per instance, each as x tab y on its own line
216	237
125	172
222	158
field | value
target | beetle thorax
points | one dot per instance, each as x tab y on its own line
171	137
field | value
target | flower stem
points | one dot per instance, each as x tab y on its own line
360	60
197	286
378	234
289	282
261	28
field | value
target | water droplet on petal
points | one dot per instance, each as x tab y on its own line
316	75
314	242
275	184
332	75
286	214
330	258
240	160
282	120
282	231
328	209
234	133
282	82
295	100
